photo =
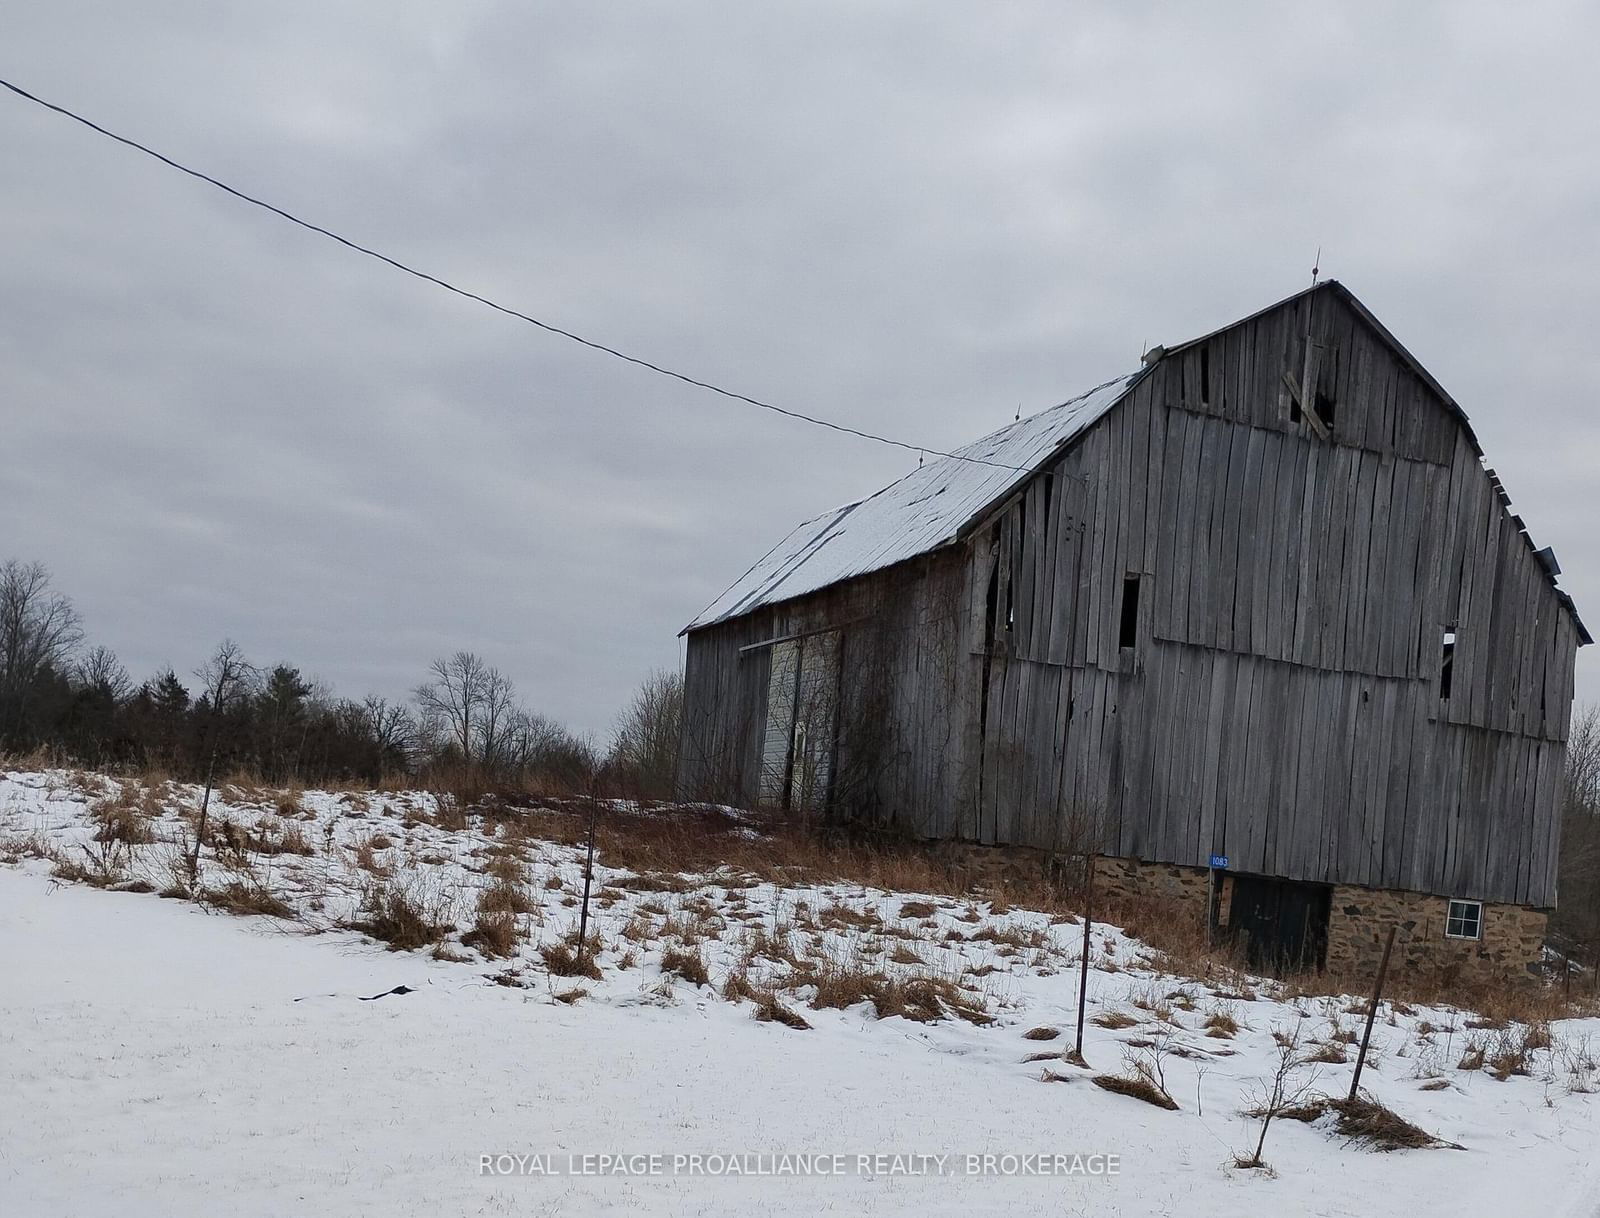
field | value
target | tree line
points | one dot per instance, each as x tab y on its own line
464	725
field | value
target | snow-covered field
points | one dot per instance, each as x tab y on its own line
161	1057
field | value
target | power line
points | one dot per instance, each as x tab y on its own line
484	300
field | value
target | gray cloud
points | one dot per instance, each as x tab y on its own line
912	217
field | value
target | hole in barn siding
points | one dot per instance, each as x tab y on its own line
1128	629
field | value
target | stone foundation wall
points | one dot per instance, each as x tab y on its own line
1117	877
1512	942
1358	918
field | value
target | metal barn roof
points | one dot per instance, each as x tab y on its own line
924	511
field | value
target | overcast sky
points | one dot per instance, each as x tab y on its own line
912	217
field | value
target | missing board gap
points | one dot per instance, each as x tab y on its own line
1128	625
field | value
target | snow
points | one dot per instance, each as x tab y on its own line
921	512
162	1059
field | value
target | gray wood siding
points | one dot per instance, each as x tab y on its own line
1281	704
904	696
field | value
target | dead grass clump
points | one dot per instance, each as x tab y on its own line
923	999
494	933
565	960
1332	1052
1137	1086
1114	1020
685	962
401	917
917	909
1509	1055
1368	1121
507	868
273	836
503	897
655	881
103	865
1220	1025
845	917
119	818
770	1010
1365	1120
238	897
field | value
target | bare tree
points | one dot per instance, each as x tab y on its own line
449	701
645	751
1576	924
539	747
101	671
226	678
1283	1090
392	727
39	629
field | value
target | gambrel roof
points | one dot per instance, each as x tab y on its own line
935	506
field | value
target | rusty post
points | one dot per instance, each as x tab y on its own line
1372	1011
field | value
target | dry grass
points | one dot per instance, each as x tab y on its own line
505	897
122	817
1137	1086
241	897
1041	1033
1365	1120
565	960
685	962
404	917
770	1010
840	984
102	865
1221	1025
1114	1020
494	933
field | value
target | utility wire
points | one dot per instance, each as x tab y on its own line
484	300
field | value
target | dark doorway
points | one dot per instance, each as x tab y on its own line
1282	925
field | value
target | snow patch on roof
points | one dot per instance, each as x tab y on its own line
921	512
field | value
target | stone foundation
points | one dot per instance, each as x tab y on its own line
1358	918
1125	878
1512	942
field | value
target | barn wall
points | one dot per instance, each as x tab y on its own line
1282	703
903	696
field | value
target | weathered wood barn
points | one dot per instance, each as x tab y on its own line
1255	625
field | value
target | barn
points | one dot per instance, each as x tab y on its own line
1255	627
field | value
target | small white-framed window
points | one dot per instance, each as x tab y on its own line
1464	920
